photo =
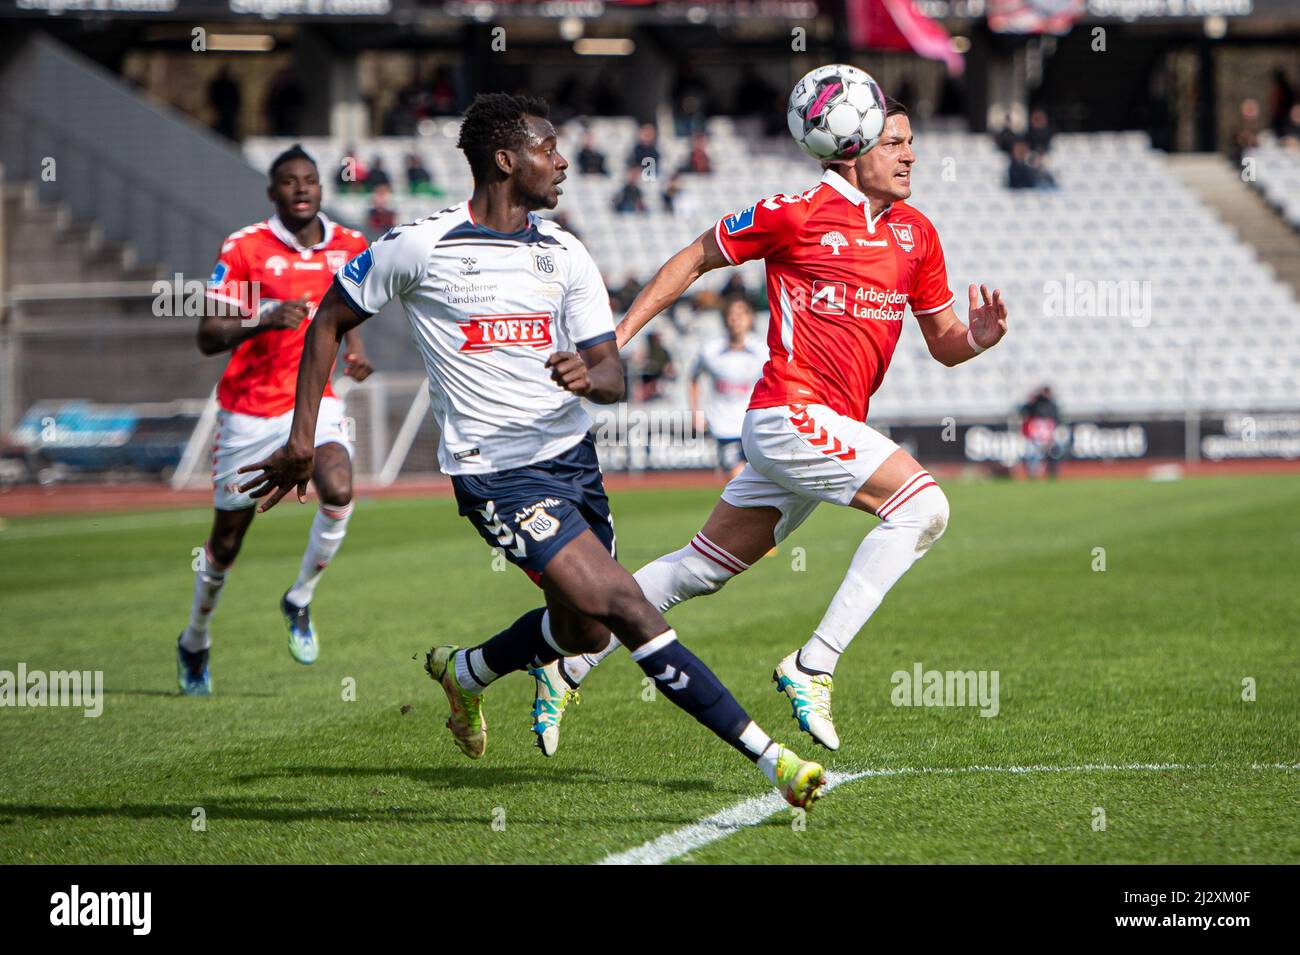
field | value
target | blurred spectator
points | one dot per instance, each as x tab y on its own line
1281	97
646	147
1028	169
1246	135
1040	132
1021	173
691	101
1041	417
442	93
224	98
677	199
381	216
284	100
1006	137
754	95
418	178
698	161
591	161
656	366
1291	132
378	175
627	294
352	172
629	198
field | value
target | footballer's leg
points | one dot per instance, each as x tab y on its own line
219	553
585	577
913	514
751	518
585	584
553	689
332	476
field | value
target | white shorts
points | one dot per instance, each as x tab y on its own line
801	455
244	439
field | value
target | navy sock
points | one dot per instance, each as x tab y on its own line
682	677
519	646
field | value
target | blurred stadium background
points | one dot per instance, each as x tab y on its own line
1128	171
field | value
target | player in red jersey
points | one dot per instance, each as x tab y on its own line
262	295
843	260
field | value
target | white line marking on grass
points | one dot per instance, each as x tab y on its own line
751	812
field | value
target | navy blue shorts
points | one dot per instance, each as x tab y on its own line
530	513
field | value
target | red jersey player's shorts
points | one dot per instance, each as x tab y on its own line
801	455
246	439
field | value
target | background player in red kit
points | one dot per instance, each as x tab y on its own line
843	260
262	295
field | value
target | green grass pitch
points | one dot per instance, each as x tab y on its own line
1142	663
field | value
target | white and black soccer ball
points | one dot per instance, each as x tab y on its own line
836	112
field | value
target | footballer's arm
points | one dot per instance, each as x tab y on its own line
951	342
220	331
595	373
290	466
673	278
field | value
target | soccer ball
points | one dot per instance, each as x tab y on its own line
836	112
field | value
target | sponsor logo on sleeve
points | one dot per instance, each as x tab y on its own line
219	274
357	270
740	221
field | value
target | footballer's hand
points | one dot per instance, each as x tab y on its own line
287	315
569	371
987	320
283	471
358	365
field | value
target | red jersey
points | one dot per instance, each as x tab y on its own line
837	281
262	374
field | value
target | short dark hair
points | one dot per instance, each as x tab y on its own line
894	108
496	121
293	152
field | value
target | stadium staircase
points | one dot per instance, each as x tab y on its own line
1219	185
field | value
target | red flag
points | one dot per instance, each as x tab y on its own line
896	25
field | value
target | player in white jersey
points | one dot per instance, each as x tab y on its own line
512	319
732	367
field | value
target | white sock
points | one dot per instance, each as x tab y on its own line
575	669
472	671
912	519
207	590
327	530
760	744
701	567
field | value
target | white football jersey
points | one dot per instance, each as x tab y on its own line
732	373
486	310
